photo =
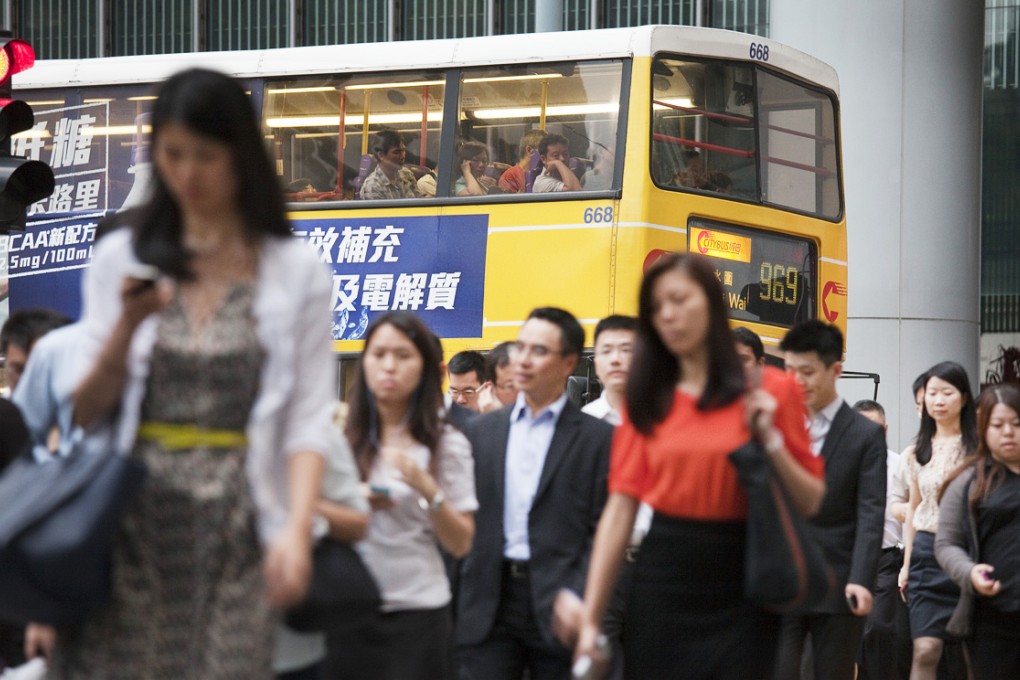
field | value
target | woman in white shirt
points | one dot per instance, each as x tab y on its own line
420	478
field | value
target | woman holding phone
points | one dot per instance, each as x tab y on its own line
688	406
213	376
978	538
419	477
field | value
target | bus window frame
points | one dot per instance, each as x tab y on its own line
757	201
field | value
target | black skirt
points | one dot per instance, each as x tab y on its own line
686	614
931	594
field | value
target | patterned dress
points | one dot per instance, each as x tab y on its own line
188	596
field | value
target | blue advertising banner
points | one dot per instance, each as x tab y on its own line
433	266
45	262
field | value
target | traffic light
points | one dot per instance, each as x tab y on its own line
22	181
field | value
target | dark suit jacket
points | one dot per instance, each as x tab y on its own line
561	525
849	524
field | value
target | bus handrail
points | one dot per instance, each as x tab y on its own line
730	118
681	141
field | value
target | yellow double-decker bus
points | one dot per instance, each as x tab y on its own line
676	139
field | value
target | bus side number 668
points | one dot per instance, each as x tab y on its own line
598	214
759	52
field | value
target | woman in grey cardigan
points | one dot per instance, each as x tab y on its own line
978	538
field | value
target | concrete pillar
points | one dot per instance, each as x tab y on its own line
910	76
548	15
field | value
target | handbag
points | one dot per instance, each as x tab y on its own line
342	593
784	569
57	526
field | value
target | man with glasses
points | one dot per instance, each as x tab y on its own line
466	371
540	471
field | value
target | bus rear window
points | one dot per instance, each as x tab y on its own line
738	130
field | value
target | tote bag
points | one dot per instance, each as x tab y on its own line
785	570
58	520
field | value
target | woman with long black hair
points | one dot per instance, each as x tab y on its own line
207	324
420	477
687	407
948	434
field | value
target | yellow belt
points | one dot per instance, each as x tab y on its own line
180	436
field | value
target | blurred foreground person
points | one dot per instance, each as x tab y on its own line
207	324
686	410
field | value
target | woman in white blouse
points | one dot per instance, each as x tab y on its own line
420	482
948	434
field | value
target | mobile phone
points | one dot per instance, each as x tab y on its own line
379	490
146	276
851	600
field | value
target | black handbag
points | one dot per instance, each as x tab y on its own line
58	520
342	592
784	569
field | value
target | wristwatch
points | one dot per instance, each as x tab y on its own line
437	502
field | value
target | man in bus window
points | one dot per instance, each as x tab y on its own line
390	179
556	175
513	180
693	174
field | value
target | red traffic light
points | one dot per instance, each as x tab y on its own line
15	57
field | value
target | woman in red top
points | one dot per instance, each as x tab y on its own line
688	406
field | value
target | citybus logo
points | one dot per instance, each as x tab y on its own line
833	288
724	246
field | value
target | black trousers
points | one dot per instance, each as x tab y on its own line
516	642
886	648
835	640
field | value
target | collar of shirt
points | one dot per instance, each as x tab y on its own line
601	409
819	423
521	410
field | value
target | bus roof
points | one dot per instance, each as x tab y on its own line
428	54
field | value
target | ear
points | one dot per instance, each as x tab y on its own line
838	368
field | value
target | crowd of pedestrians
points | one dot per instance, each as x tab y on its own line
511	533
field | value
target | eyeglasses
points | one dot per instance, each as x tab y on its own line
469	392
537	351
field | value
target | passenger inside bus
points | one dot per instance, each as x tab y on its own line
472	163
693	174
390	179
514	180
600	176
554	150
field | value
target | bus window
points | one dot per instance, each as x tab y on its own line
703	127
507	109
740	130
799	155
321	129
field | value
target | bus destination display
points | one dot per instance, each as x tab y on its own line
766	277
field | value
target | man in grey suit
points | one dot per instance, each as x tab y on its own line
540	469
848	527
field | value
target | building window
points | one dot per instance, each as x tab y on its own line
151	27
427	19
232	25
344	22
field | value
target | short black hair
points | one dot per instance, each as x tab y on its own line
498	357
549	140
25	326
615	322
571	333
920	382
815	336
466	362
748	338
870	406
384	140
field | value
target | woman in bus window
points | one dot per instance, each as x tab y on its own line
687	407
978	539
213	376
947	435
390	179
420	479
472	161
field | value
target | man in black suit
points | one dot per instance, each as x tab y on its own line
540	471
848	527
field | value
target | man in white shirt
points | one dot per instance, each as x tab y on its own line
886	647
848	526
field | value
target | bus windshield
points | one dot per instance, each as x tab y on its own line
741	130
